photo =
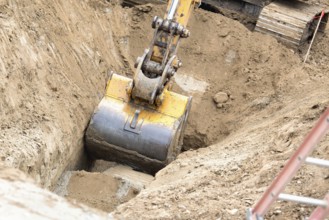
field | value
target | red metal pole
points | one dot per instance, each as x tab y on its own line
320	212
292	166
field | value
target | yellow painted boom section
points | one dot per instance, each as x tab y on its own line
183	12
173	104
182	16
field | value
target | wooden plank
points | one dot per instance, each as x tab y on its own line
292	12
287	21
281	24
284	17
280	31
300	7
283	39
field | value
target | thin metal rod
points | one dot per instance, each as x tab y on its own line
320	212
317	161
292	166
316	30
302	199
172	9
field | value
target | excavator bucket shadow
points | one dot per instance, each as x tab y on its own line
144	137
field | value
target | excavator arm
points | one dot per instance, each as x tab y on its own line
139	122
159	63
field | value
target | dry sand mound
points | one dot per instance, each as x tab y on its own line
54	58
220	56
260	78
272	103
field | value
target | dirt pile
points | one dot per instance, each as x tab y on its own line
220	56
53	63
54	59
106	185
260	77
16	203
273	101
223	180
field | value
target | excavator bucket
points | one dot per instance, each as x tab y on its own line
146	137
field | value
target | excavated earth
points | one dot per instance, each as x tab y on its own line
253	103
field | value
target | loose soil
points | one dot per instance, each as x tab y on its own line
54	62
105	186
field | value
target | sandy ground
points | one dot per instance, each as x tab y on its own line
54	59
54	62
273	101
269	92
17	190
105	186
228	59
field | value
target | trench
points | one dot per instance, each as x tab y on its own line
55	56
105	185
